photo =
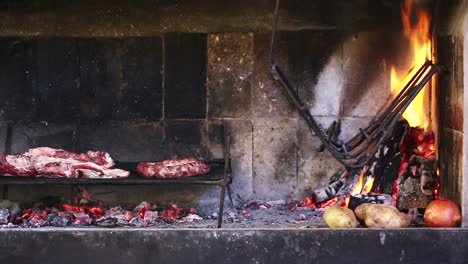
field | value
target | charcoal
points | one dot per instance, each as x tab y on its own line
107	222
356	200
253	205
13	207
191	218
4	214
36	222
136	221
150	217
142	206
81	219
59	221
51	217
122	222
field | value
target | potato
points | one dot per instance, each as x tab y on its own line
360	212
384	215
340	217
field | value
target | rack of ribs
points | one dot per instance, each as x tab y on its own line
49	162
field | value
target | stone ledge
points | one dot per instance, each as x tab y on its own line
80	245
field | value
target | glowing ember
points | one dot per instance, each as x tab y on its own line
418	37
308	202
330	202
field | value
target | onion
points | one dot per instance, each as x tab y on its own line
442	213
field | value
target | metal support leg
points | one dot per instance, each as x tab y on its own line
221	205
230	195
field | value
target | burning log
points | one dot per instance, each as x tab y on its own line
350	185
417	181
385	163
328	192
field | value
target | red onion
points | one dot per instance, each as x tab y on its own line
442	212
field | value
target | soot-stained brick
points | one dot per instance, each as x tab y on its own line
269	99
142	80
16	79
275	157
216	137
26	136
314	168
185	138
100	78
241	157
318	67
125	141
230	66
185	75
3	137
57	79
366	86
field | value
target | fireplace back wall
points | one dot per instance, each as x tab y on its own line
157	79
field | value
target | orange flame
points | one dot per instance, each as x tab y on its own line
360	187
420	42
368	185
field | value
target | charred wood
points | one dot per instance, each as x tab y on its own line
351	181
328	192
417	183
384	165
358	199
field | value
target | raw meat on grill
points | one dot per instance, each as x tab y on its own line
15	165
96	157
173	168
49	162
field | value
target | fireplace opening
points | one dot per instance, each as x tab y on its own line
138	83
384	148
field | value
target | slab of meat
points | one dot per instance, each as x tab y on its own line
97	157
49	162
173	168
15	165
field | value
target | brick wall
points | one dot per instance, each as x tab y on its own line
123	82
153	98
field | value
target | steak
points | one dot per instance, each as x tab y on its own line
173	168
57	163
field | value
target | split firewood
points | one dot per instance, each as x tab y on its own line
328	192
351	181
385	163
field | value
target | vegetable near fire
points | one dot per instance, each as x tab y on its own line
439	213
372	215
